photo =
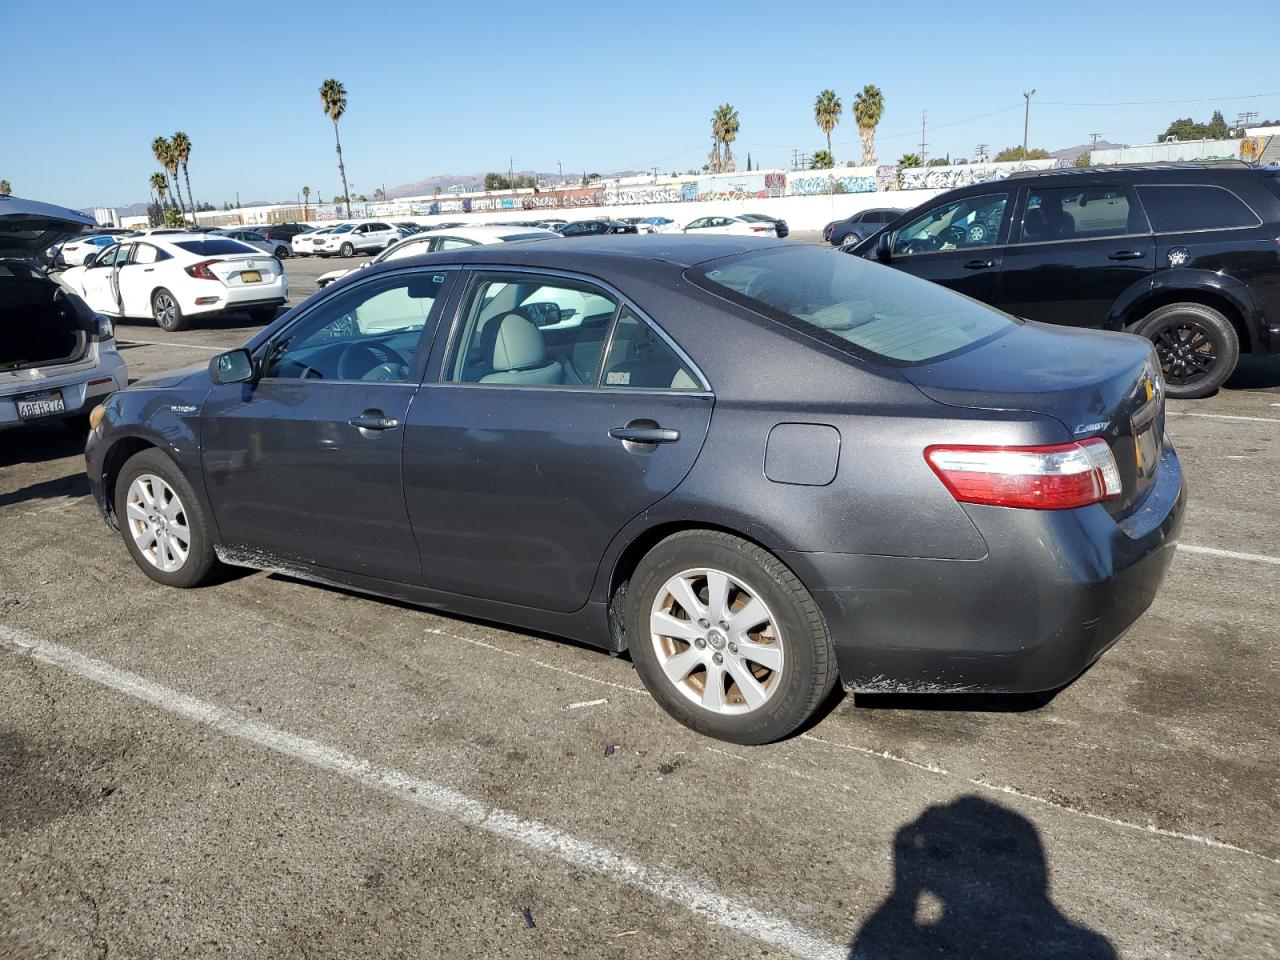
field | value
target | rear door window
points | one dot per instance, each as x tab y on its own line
1079	213
871	312
1177	208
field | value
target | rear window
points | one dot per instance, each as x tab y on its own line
511	237
871	311
1175	208
215	247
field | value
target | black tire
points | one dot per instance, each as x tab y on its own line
282	252
1198	347
166	311
263	315
808	671
347	250
201	561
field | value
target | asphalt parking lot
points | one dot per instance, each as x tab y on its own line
265	768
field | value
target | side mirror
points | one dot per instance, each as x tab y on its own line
543	313
884	247
234	366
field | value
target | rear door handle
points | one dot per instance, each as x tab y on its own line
1127	255
644	434
978	264
374	420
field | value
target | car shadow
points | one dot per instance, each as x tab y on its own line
963	702
1255	373
971	880
41	442
73	485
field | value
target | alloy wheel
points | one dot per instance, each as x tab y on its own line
166	309
157	522
716	641
1186	350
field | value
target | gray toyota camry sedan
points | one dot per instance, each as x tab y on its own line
753	465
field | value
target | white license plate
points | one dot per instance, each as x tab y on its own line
36	405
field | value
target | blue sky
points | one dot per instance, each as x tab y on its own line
455	88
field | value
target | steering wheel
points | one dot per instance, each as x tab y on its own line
954	235
371	361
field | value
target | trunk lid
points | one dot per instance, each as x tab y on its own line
28	227
1095	384
245	270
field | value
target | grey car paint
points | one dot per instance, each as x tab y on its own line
517	505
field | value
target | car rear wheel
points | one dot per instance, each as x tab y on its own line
163	522
282	253
167	313
726	638
1197	346
347	250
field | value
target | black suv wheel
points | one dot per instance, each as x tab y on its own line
1198	347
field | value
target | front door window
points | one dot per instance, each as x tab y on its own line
968	223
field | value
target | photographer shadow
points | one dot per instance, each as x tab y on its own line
971	880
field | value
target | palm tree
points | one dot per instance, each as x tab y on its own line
868	108
334	97
180	143
724	130
826	114
909	160
163	151
821	160
159	187
306	195
6	189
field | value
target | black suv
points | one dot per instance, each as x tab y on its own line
1187	255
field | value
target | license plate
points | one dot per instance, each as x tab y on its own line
36	405
250	276
1146	448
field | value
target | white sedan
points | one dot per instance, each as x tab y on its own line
277	248
176	277
73	252
733	225
455	239
348	239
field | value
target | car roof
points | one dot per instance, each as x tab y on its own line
621	252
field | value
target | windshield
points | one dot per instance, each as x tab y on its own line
874	312
345	228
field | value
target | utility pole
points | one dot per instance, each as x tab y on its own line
655	172
1094	138
560	172
924	116
980	154
511	170
799	160
1026	120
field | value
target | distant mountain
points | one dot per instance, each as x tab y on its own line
1071	153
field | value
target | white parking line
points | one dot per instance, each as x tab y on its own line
1229	554
1221	416
924	767
162	343
728	912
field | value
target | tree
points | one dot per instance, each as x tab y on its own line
724	130
379	194
333	96
338	200
306	195
868	108
180	143
1017	153
496	181
1187	129
6	188
826	114
939	162
159	186
162	150
1084	160
821	160
909	160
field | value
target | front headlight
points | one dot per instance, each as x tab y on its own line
96	415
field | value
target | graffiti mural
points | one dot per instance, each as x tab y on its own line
731	186
614	196
944	178
817	183
775	184
586	197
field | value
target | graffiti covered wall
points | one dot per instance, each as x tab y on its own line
945	178
812	183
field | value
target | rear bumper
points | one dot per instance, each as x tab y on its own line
80	393
1056	589
239	298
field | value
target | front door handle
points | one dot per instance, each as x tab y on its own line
644	431
374	420
1127	255
978	264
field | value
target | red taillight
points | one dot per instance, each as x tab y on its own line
201	270
760	229
1059	477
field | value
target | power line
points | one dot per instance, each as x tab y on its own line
1150	103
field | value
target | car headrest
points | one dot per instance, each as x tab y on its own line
517	343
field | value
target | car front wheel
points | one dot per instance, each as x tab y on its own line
1197	346
163	521
347	250
727	639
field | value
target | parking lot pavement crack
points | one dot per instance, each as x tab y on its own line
1150	829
